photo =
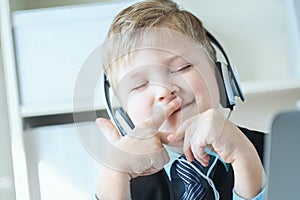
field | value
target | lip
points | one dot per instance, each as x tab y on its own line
181	108
176	111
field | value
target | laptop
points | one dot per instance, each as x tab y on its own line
283	157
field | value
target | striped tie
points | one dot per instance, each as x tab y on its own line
194	189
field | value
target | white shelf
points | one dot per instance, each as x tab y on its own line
270	86
250	87
43	110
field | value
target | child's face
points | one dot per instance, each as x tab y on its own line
152	77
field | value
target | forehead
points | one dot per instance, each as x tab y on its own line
154	46
151	56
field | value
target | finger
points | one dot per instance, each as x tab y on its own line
108	129
174	138
186	142
172	106
200	155
164	137
160	113
181	132
189	155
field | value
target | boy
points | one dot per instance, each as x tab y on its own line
161	66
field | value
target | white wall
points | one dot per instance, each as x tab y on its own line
254	33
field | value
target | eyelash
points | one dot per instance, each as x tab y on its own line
178	70
139	86
182	69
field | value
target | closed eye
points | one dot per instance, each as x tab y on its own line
139	86
185	68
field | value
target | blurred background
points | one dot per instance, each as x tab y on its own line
44	43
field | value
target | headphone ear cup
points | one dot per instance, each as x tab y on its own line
229	85
236	84
123	122
125	117
222	89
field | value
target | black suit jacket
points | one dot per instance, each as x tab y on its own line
158	186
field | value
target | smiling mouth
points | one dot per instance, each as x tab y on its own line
180	109
176	111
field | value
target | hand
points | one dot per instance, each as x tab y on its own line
212	130
141	151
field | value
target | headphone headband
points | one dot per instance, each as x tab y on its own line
218	45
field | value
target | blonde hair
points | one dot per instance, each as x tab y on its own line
151	14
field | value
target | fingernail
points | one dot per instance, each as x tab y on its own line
204	163
206	159
99	123
188	158
171	137
179	99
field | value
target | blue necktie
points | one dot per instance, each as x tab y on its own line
194	189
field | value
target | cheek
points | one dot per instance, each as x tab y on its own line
138	108
202	95
205	91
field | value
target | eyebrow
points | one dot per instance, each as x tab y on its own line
135	75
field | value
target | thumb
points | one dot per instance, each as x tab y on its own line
108	129
180	132
164	137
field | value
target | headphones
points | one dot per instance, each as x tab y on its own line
227	78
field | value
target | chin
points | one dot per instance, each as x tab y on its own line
173	122
177	118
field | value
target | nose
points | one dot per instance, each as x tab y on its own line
165	94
